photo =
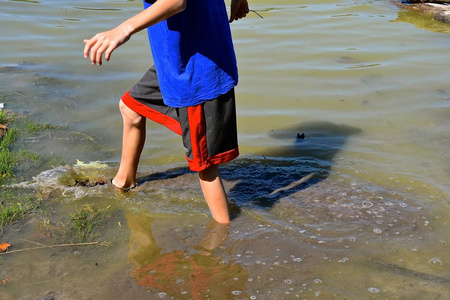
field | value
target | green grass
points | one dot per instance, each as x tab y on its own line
15	207
3	117
10	159
85	220
32	127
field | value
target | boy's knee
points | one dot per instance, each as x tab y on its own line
209	174
129	115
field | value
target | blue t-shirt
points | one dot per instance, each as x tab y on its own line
193	53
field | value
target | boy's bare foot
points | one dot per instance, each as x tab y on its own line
122	188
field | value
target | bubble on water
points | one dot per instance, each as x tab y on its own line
352	239
343	260
367	204
403	204
414	249
373	290
426	223
183	292
436	261
317	281
162	295
236	293
276	263
179	281
253	297
249	252
288	281
377	231
388	203
250	279
317	294
297	259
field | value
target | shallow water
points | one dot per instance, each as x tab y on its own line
358	209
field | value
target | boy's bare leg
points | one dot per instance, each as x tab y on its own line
132	144
214	193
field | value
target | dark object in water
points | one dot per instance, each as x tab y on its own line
301	136
88	183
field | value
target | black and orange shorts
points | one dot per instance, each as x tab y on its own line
208	130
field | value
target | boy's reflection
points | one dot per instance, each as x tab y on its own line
195	274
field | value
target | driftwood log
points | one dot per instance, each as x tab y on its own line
437	9
430	1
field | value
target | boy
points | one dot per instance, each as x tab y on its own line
190	90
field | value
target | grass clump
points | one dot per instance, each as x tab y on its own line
85	220
10	159
15	207
32	127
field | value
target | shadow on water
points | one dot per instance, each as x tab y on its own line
304	158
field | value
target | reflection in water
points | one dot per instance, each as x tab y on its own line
191	274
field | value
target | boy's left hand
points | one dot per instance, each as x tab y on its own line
105	42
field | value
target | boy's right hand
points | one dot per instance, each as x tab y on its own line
239	9
105	42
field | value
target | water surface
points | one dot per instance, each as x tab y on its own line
358	209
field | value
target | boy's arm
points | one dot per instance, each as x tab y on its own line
106	42
239	9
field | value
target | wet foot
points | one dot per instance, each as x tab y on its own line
122	189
